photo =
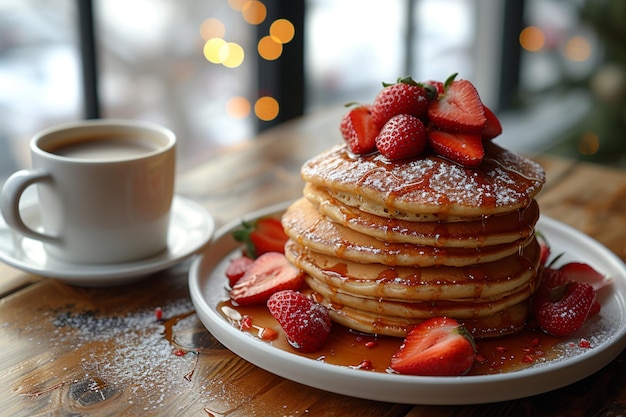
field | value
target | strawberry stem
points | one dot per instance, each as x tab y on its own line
449	81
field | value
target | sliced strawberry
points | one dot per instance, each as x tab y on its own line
270	272
435	347
492	126
262	236
405	97
582	272
305	322
402	136
465	148
565	309
459	109
358	130
237	268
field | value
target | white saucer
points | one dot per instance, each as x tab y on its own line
191	227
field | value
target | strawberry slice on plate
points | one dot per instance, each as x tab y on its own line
582	272
439	346
459	109
270	273
358	130
237	268
261	236
305	322
464	148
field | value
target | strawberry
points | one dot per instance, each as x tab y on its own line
439	346
305	322
459	109
237	268
261	236
404	97
581	272
492	126
270	272
402	136
358	130
438	86
563	309
465	148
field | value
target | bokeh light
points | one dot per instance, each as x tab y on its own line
237	5
270	48
283	30
238	107
589	144
212	28
532	39
266	108
254	12
234	55
212	50
578	49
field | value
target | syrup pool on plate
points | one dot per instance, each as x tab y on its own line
345	347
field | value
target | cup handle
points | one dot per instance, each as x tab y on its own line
10	196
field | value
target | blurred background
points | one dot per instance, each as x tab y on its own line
219	71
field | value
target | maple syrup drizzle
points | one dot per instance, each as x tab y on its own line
350	348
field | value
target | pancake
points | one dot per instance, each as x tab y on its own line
428	187
378	281
459	309
508	321
473	232
309	228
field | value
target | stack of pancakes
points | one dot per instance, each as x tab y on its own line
387	244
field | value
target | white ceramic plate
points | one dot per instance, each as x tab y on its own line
207	286
191	227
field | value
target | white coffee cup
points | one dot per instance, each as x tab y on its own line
104	190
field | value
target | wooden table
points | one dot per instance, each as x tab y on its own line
70	350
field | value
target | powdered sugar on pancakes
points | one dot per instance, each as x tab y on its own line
428	183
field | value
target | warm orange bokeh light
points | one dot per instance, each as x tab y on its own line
237	5
578	49
589	144
269	48
254	12
532	39
238	107
212	28
266	108
283	30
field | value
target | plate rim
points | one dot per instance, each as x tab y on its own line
406	389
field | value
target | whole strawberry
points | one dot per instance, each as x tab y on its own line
404	97
358	130
402	136
305	322
435	347
562	305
